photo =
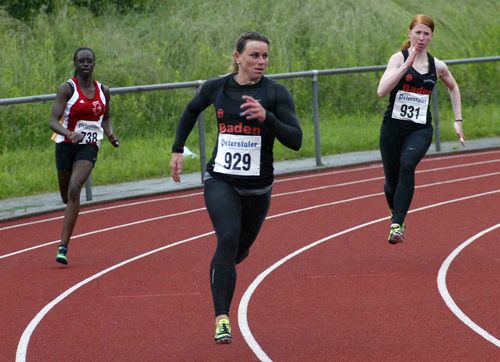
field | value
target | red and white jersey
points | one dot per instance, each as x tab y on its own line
84	115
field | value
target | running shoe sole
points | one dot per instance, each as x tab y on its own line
396	238
223	340
62	260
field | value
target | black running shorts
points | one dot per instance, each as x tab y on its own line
67	154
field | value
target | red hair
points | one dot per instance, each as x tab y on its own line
418	19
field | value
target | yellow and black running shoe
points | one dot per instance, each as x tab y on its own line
396	234
223	332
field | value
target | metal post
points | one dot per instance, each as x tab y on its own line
88	188
201	140
317	141
437	134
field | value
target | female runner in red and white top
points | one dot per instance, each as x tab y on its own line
79	119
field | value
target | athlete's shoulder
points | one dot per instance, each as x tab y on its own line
277	88
105	90
399	56
66	89
216	81
437	61
441	67
271	82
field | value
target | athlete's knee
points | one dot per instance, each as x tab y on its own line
242	255
408	168
389	188
228	237
74	191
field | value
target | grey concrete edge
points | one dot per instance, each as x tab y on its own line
19	207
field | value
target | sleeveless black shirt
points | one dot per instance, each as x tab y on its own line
412	86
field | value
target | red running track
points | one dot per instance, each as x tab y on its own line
321	282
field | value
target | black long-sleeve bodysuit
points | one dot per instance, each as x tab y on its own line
240	171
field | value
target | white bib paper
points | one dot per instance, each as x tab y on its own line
411	107
91	130
238	155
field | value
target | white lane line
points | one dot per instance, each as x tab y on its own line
377	165
245	300
443	290
316	175
459	155
104	209
22	346
101	231
269	217
24	341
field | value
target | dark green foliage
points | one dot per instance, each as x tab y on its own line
26	10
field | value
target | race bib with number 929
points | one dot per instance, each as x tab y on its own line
238	155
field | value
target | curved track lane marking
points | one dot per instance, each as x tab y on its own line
269	217
245	300
319	174
102	230
22	346
105	209
242	310
443	290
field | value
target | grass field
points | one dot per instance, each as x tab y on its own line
165	42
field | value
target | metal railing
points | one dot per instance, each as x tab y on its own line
313	74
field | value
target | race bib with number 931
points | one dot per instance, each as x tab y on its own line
411	107
238	155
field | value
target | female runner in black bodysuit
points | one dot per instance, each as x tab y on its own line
252	111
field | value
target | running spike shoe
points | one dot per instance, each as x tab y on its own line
396	234
223	332
61	254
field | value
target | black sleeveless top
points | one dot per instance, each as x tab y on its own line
409	102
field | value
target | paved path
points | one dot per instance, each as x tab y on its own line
32	205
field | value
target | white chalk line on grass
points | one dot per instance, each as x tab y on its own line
245	300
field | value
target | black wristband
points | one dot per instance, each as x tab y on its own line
177	149
458	120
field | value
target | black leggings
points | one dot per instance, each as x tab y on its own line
401	152
237	220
